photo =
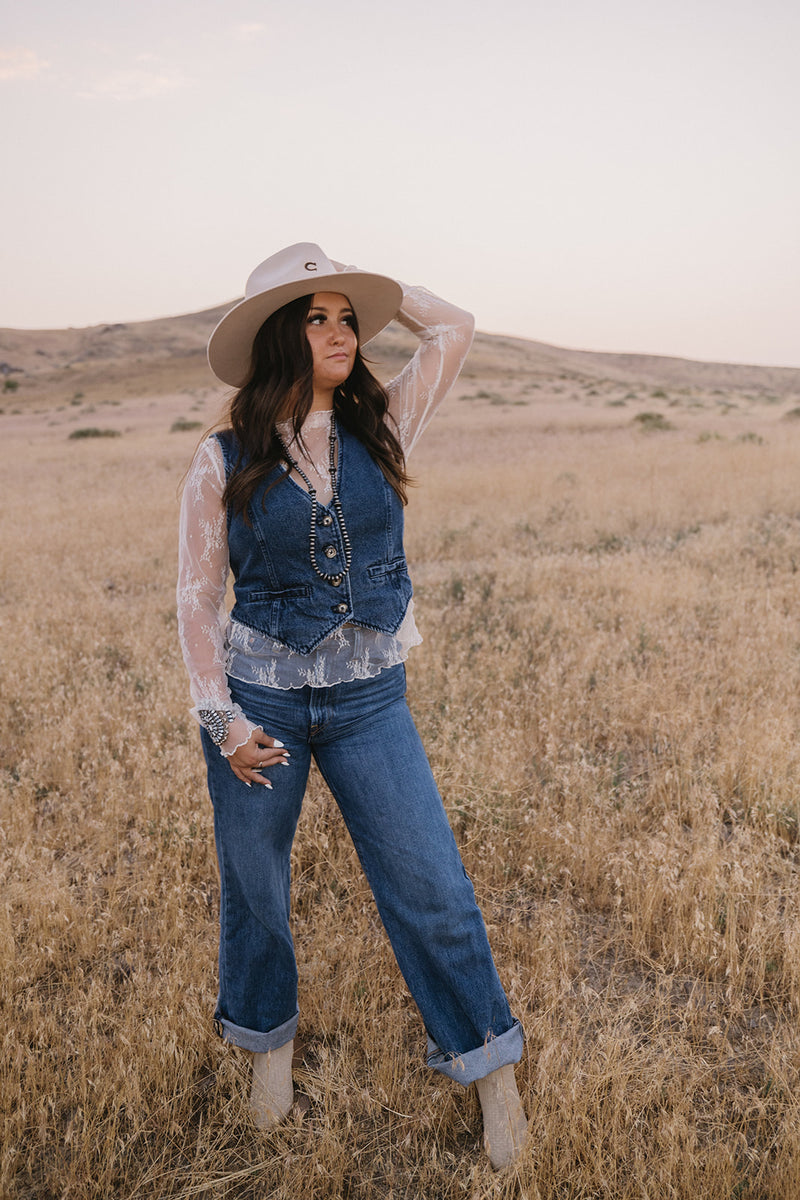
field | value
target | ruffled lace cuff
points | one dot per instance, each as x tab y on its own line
240	729
238	734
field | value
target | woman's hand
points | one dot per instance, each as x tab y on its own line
260	751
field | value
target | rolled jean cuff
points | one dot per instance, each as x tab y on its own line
495	1052
251	1039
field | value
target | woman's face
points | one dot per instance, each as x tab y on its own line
332	338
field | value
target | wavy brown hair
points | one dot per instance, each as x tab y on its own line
281	386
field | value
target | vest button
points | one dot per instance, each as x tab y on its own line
326	520
330	552
340	608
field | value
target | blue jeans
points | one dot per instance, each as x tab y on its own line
367	748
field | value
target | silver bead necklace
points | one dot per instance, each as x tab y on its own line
338	578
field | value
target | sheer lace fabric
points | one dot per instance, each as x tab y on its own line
213	645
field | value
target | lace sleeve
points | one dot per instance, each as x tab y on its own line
445	334
202	579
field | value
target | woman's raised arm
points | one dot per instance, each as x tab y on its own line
445	332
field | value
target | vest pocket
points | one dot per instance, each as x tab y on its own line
277	613
380	571
295	593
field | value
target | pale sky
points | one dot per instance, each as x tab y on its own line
601	174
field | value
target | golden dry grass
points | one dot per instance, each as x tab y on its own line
609	694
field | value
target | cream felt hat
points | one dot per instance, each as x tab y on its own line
298	270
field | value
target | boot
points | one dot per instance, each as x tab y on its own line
504	1124
272	1093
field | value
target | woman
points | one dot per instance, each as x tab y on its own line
302	497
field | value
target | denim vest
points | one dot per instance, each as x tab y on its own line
278	593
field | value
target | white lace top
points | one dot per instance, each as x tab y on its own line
213	645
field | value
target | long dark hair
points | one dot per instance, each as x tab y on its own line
280	387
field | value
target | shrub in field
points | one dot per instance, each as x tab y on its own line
182	425
652	422
755	438
92	431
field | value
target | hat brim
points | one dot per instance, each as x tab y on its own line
375	300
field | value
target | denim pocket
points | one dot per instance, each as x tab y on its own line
380	571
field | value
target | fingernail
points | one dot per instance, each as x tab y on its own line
285	763
247	783
275	742
268	784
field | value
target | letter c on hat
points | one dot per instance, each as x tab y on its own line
311	266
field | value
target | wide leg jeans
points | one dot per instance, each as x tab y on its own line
364	741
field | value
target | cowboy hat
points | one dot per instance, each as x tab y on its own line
298	270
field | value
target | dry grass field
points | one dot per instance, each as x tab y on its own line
606	553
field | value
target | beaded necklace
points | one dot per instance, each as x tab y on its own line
337	579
